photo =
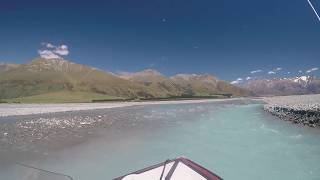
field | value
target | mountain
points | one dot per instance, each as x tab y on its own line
285	86
63	80
51	75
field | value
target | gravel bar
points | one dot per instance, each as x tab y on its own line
299	109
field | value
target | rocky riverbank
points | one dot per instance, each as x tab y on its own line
302	109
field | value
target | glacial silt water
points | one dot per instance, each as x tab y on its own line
234	141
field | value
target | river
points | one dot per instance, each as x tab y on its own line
234	140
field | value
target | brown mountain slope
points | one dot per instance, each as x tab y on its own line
160	85
206	85
183	84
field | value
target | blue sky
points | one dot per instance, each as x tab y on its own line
228	39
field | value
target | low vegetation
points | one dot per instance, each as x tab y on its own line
2	101
63	97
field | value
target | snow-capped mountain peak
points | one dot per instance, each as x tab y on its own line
285	86
304	80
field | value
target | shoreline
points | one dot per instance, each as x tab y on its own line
298	109
7	110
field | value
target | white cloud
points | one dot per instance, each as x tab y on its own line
278	69
300	71
62	50
47	54
256	71
248	78
271	72
239	80
52	52
312	69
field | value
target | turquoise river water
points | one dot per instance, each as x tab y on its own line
234	141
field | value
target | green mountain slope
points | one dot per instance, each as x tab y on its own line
59	80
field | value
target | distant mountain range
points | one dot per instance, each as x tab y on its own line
62	79
284	86
183	84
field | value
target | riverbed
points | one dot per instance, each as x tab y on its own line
236	140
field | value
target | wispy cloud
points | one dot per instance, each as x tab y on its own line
50	51
256	71
239	80
248	78
312	69
49	45
275	70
